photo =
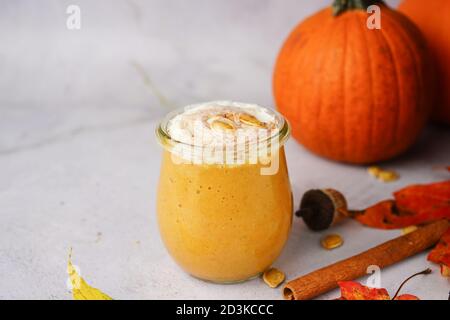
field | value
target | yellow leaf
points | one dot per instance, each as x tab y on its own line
81	290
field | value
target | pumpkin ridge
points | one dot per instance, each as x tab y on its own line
371	81
343	87
378	84
415	55
300	65
318	86
407	30
431	18
386	38
332	132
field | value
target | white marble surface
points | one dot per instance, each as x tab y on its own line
79	162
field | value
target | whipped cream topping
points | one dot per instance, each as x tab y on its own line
221	123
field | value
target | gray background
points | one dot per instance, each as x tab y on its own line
79	162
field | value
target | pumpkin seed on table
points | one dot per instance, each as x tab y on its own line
273	277
388	176
332	241
374	171
383	175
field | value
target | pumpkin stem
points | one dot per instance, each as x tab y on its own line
341	6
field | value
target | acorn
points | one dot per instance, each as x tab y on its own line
320	209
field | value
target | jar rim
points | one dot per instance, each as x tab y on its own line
168	142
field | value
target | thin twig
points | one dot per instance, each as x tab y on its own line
426	271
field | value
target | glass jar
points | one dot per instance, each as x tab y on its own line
224	222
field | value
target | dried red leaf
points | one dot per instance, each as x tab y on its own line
407	297
351	290
381	216
413	205
419	197
441	253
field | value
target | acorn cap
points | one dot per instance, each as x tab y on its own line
320	209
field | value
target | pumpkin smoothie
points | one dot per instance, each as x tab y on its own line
221	217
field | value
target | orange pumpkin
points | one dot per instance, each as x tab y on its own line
433	19
351	93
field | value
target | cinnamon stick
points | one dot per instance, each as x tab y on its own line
386	254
